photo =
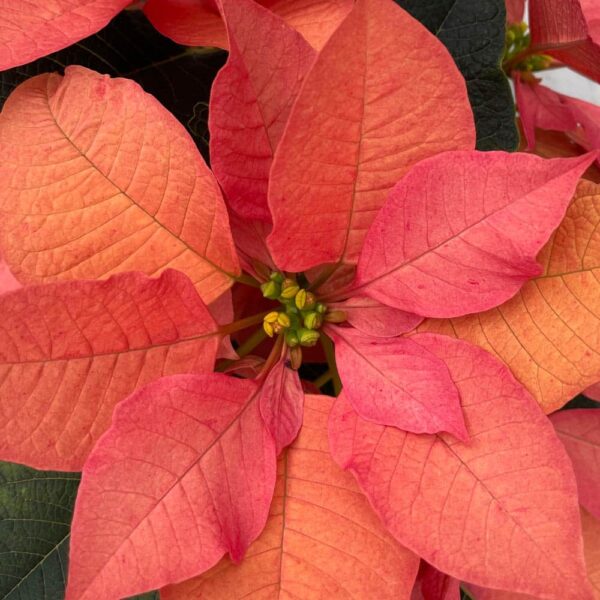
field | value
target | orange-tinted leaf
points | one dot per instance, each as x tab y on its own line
30	29
69	352
579	431
250	102
357	126
198	23
500	510
185	473
100	178
549	333
322	540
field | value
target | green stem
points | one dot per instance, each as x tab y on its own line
242	324
328	348
254	340
323	379
273	357
510	64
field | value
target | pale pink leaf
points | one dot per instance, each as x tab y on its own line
499	511
398	381
184	475
373	318
357	126
579	431
460	233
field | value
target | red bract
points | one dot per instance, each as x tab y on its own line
362	175
568	30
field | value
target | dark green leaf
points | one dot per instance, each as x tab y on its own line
35	519
130	47
473	31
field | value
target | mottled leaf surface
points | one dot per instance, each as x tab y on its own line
460	233
35	518
118	185
473	32
185	474
322	539
69	352
358	125
32	28
129	46
549	333
518	528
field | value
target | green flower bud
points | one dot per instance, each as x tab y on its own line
271	290
313	320
311	300
321	308
276	276
291	338
308	337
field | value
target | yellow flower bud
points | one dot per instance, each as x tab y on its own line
271	317
300	299
312	320
289	288
308	337
268	329
283	319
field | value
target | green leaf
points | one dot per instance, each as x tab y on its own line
35	519
474	31
129	46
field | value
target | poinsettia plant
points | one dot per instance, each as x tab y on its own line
347	220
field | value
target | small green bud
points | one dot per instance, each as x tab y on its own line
321	308
289	288
311	300
276	276
271	290
313	320
291	338
300	299
308	337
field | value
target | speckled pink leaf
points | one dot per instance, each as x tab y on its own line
30	29
185	474
281	404
579	431
357	126
500	511
398	381
69	352
373	318
8	283
460	233
250	102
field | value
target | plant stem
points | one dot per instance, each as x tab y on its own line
509	65
242	324
273	357
327	345
323	379
254	340
247	280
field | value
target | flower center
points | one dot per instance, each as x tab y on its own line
299	316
